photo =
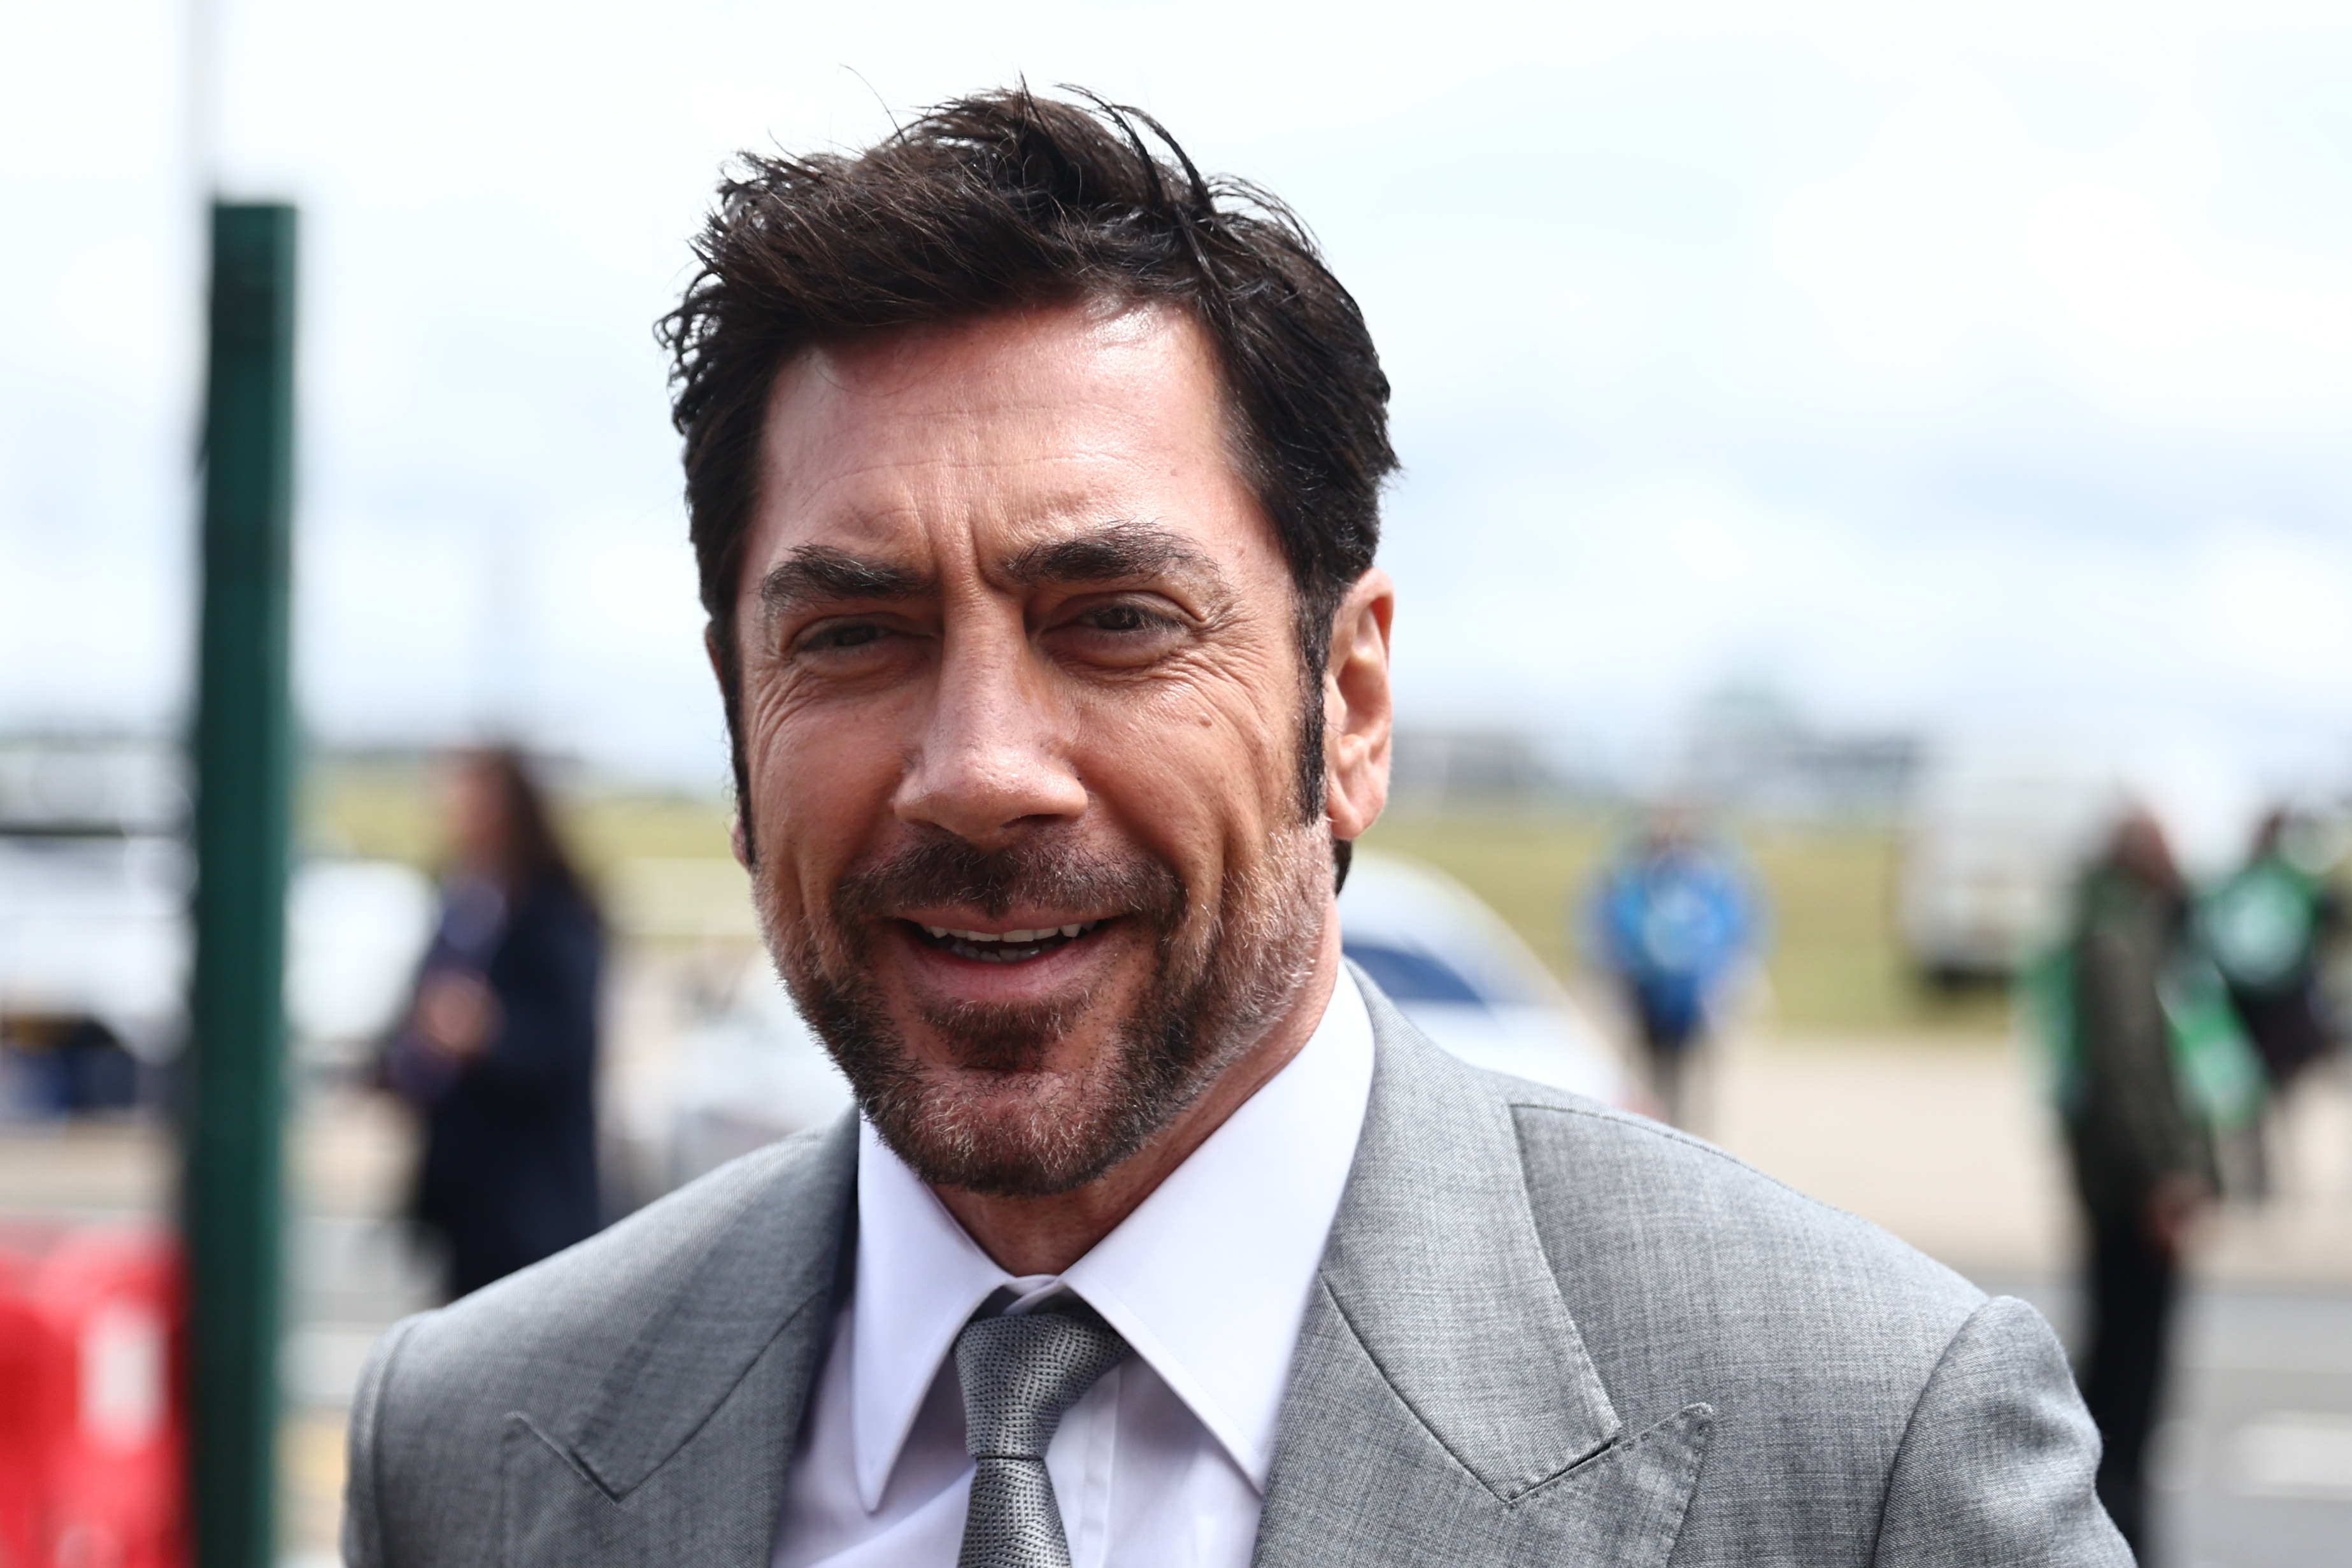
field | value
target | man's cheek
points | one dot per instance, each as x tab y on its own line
823	778
1217	740
1193	804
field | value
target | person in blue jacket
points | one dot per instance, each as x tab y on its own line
1672	920
498	1049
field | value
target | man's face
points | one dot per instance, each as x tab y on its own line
1021	706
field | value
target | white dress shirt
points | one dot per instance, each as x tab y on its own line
1163	1463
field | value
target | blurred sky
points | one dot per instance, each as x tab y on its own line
1953	367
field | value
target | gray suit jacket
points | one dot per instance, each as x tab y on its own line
1546	1333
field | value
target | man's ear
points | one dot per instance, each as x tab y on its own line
737	839
1358	708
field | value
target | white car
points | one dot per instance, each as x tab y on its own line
1993	841
94	928
752	1071
1453	966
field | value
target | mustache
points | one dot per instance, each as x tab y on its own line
1049	870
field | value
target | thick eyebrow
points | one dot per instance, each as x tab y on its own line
1114	552
1123	551
819	574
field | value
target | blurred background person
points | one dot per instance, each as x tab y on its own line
2268	927
2143	1159
498	1050
1672	919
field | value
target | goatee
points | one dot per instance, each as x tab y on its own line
999	1121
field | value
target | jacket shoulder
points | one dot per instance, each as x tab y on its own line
684	1295
1730	1262
1814	1335
587	1301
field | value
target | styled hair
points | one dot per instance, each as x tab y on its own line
1004	200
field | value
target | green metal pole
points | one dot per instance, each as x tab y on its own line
235	1092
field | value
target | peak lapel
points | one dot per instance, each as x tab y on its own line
1442	1407
675	1449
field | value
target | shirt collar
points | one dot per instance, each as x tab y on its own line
1207	1280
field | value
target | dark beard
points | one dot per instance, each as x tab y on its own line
996	1123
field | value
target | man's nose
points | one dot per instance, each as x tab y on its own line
993	761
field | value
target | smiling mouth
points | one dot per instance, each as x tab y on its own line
1001	947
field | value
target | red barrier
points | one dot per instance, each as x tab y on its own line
92	1436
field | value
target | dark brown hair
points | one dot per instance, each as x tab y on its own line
1002	200
534	857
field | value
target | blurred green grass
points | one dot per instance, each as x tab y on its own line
1835	965
390	811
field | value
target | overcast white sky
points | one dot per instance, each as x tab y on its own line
1941	366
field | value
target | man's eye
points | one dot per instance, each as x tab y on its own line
1117	618
1120	633
833	638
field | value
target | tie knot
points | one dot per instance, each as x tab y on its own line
1020	1374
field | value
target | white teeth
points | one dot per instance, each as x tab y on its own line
1077	928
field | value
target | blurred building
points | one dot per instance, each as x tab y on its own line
1748	750
1433	767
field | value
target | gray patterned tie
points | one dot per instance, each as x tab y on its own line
1019	1375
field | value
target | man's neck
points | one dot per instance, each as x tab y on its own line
1046	1235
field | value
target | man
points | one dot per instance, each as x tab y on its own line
2143	1158
1672	922
2269	926
1034	483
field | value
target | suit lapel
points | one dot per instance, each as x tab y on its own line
1442	1407
675	1449
1441	1410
